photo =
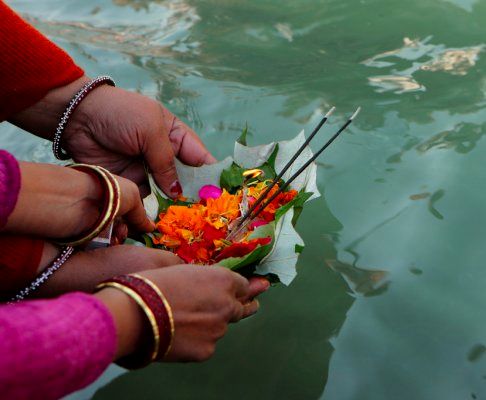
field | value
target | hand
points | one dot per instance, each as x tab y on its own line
119	130
84	270
58	202
204	300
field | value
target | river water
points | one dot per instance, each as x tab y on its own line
390	297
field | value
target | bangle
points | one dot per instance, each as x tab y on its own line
167	335
112	199
157	311
59	153
42	278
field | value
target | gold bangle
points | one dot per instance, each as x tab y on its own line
145	308
168	308
112	203
116	188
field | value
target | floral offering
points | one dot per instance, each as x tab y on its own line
203	227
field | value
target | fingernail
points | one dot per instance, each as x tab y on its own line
265	284
256	308
176	188
209	159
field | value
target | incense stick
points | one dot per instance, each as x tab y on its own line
250	216
287	166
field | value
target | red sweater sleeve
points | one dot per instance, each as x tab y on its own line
20	257
30	64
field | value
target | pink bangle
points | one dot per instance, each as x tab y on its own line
59	153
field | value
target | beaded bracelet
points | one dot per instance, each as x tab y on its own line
157	311
42	278
111	205
59	153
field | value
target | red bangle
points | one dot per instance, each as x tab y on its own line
158	312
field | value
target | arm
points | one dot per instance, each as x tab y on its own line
30	65
57	346
58	202
54	347
114	128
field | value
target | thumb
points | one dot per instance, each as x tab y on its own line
159	157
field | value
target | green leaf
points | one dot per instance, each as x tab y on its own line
236	263
297	202
268	167
147	238
164	203
299	249
232	178
242	139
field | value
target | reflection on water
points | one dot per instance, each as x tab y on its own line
390	292
365	281
419	55
476	352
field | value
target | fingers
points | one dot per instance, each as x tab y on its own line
158	153
257	285
241	286
162	258
119	233
245	310
250	308
186	144
131	207
135	171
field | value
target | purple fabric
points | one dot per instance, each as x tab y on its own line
49	348
9	185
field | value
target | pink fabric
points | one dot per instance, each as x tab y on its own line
49	348
9	185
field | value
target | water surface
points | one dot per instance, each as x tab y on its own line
389	302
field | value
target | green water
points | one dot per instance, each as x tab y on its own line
390	299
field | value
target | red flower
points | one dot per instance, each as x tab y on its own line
241	249
195	252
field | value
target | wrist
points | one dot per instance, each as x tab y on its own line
42	118
128	319
54	202
49	254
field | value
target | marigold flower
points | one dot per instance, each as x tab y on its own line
221	211
182	222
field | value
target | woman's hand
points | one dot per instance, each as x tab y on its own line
204	300
84	270
119	130
58	202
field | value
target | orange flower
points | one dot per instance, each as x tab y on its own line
268	214
221	211
182	222
167	241
197	232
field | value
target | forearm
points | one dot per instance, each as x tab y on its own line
42	118
54	202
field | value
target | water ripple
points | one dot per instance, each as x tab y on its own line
419	55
